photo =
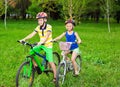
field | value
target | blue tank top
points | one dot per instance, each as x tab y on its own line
71	38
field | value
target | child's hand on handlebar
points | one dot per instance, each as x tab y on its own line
53	40
22	40
40	43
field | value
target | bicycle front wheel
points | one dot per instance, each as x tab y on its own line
61	73
25	75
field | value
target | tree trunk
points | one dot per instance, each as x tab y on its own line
5	13
108	14
97	15
70	9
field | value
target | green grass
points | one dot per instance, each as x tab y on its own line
100	54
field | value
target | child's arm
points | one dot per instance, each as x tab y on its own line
59	37
78	38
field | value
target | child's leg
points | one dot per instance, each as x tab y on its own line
74	55
49	56
32	52
65	53
34	63
54	68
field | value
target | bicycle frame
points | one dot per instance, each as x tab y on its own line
41	66
63	58
63	55
64	61
34	57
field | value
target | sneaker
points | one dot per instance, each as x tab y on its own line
77	73
54	80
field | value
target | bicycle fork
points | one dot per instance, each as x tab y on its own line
65	69
27	70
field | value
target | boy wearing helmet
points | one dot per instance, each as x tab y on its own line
71	36
45	33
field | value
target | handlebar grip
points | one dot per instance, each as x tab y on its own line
22	42
54	41
18	41
42	44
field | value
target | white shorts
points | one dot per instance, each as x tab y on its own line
76	50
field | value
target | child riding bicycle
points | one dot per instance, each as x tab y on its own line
45	33
71	36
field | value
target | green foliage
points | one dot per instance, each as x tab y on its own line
100	54
2	6
34	7
33	10
52	8
63	9
76	7
116	6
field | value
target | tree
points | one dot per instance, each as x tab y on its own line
72	9
15	6
108	10
23	5
2	8
34	8
94	10
108	14
49	6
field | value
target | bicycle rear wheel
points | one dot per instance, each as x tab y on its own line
79	62
61	73
25	75
56	58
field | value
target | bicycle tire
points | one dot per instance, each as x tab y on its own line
79	62
22	79
61	73
56	58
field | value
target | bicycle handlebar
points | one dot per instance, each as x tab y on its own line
26	43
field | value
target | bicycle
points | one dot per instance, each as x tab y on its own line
65	65
26	72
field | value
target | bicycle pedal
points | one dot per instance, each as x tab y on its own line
68	69
38	70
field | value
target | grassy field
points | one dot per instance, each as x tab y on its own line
100	54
